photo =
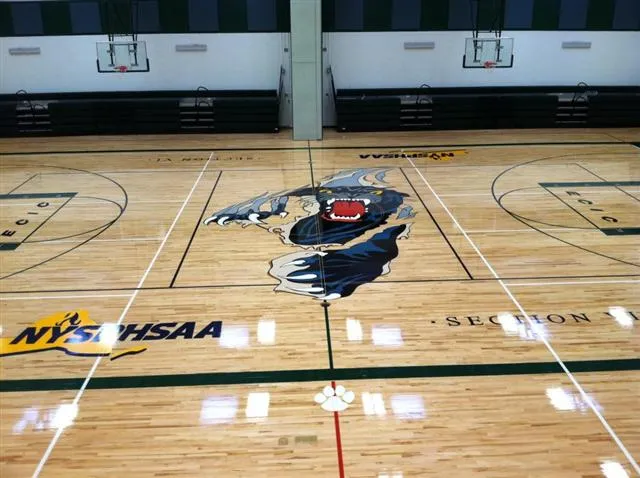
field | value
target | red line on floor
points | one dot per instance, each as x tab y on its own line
336	421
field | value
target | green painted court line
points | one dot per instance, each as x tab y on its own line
37	195
621	231
320	375
590	184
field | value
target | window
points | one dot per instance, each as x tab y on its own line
545	14
6	23
146	18
627	15
203	15
462	14
518	14
261	15
405	15
435	15
85	18
27	18
232	16
573	14
349	15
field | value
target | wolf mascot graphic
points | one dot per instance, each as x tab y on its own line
337	253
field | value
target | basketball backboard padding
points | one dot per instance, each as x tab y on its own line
112	55
479	51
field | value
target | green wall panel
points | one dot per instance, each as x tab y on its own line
328	16
490	16
6	23
116	16
435	15
232	16
600	14
174	16
283	15
546	14
377	15
56	19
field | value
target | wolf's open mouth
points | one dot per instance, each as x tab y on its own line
345	210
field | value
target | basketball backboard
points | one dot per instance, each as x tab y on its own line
481	52
122	56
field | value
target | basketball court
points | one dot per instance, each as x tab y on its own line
388	305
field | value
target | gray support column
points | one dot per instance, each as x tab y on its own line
306	68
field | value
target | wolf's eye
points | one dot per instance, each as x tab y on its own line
377	193
326	191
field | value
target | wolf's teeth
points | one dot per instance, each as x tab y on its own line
366	202
331	201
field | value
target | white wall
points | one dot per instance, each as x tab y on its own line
232	61
378	60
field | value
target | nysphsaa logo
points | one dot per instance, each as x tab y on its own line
433	155
74	333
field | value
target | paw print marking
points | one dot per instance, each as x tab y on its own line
334	400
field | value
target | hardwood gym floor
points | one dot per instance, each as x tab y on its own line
371	305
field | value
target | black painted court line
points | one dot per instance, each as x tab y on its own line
383	281
444	236
100	231
195	169
613	137
547	188
527	223
327	327
319	230
615	183
195	229
313	375
22	183
609	231
302	148
69	196
325	304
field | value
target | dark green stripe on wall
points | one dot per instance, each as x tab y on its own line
6	23
435	15
490	15
174	16
546	14
232	16
56	19
328	16
377	15
600	14
283	13
116	17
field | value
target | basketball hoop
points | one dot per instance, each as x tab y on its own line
121	68
489	64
